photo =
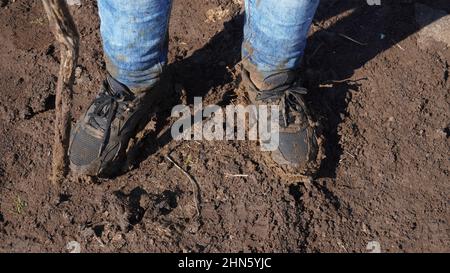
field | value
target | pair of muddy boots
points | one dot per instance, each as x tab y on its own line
100	139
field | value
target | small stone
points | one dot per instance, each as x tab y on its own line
78	72
11	116
118	241
364	228
373	247
73	2
73	247
26	113
440	133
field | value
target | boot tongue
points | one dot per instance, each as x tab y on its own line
118	89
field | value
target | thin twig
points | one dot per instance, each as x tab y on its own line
195	185
398	45
351	39
339	34
350	154
236	175
330	84
311	56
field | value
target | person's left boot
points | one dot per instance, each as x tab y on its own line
300	147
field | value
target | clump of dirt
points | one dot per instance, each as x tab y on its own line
384	105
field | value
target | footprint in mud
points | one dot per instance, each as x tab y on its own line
127	210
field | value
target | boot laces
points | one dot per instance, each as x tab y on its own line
109	105
289	97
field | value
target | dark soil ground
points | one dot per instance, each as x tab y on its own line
384	106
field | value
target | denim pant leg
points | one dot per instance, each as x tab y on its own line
275	36
134	35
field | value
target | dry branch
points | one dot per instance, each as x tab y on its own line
64	29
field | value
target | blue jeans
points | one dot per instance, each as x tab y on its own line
134	37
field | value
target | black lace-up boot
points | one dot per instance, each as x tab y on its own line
299	143
100	138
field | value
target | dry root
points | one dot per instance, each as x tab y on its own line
64	29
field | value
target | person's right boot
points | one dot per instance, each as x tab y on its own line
101	136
